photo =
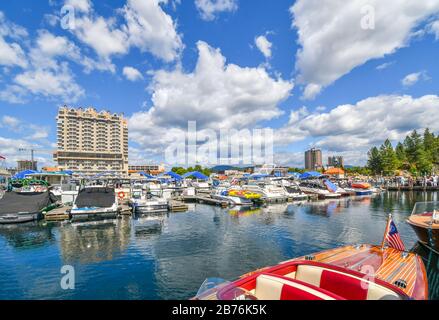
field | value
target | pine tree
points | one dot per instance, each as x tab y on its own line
401	157
374	161
389	161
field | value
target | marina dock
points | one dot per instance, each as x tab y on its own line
412	188
206	200
58	214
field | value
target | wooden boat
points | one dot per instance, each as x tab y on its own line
362	272
425	222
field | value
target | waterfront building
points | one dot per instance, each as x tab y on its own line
23	165
335	161
147	168
313	159
91	142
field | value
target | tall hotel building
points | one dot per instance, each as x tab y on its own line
313	159
91	142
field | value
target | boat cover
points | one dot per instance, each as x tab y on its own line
331	187
100	197
13	202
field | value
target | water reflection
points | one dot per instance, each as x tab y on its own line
97	241
431	261
28	235
168	256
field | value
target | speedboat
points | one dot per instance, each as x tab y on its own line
293	191
25	207
355	272
144	202
360	188
361	272
425	222
231	197
315	187
95	202
270	192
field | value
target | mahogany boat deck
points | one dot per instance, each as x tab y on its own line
389	265
423	221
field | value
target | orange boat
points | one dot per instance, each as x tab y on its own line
361	272
360	185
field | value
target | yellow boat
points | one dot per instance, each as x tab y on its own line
245	194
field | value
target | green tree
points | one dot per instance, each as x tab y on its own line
374	161
431	146
179	170
401	157
388	159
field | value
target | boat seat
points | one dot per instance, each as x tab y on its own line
345	285
271	287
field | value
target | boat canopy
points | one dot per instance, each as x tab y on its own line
195	174
331	187
310	174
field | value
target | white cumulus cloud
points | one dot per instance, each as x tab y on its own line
264	46
333	40
215	95
413	78
210	8
132	74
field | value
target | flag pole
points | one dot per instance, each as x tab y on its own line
386	231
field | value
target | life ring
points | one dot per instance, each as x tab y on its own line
121	195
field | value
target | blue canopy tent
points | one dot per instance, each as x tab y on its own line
173	175
195	174
310	174
23	174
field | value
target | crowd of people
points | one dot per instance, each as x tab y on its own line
427	181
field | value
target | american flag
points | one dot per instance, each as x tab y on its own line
392	236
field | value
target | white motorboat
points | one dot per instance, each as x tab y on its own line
144	202
95	202
270	192
292	190
223	194
316	187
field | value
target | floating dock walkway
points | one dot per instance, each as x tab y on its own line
206	200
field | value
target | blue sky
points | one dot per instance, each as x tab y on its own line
307	69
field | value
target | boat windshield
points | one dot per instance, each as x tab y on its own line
428	210
137	194
211	283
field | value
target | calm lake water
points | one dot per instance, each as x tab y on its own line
169	258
